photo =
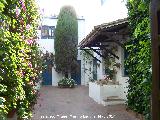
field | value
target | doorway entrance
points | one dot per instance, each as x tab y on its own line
77	76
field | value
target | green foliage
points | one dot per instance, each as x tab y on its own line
66	40
66	82
139	59
20	58
110	63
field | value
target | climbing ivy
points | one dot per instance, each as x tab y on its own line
139	57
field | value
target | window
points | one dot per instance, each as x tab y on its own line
47	32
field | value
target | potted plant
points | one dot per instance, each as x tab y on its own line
66	83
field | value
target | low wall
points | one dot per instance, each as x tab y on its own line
99	93
56	77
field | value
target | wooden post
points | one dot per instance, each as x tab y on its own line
155	31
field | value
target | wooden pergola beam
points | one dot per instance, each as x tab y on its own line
109	51
102	48
91	55
98	53
115	41
98	45
89	48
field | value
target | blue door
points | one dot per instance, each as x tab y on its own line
47	74
77	76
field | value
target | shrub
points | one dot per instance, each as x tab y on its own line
20	59
66	82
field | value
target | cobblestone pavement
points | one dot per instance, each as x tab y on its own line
67	104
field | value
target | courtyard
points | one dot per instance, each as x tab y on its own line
58	104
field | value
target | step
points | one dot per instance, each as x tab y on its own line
113	100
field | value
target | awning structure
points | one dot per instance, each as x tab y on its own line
116	32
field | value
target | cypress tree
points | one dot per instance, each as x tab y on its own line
66	40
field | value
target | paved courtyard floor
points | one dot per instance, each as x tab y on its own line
67	104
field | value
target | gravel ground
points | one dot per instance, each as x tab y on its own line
67	104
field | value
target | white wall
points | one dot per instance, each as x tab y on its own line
112	10
46	45
81	30
100	69
123	79
56	77
100	93
86	70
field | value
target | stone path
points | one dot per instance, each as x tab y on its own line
67	104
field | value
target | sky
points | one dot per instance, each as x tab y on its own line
91	10
83	7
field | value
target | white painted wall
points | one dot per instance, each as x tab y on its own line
81	29
95	92
86	70
100	93
100	68
112	10
48	45
56	77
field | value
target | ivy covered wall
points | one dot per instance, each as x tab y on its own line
139	59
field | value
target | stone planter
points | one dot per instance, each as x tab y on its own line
101	93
